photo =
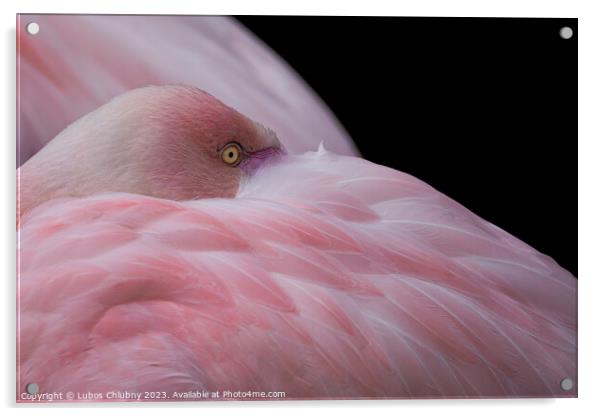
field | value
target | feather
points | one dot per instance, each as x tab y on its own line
315	280
79	62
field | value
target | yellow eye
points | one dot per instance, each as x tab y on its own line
231	154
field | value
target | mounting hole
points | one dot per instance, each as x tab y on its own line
566	384
32	388
32	28
566	32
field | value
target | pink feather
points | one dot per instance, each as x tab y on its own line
326	277
78	62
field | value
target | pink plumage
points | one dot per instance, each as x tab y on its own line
78	62
325	277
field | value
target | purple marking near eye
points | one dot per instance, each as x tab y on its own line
255	160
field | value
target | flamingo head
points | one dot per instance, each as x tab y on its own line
172	142
187	145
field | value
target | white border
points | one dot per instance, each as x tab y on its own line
590	201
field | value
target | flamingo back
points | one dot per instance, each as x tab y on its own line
326	277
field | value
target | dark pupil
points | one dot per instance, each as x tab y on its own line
231	154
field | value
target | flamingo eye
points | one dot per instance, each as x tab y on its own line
231	154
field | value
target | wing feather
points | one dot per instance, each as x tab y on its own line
315	280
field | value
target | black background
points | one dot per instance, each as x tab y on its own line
484	110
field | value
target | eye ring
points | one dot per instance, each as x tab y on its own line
231	154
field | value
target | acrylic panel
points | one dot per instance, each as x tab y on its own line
295	208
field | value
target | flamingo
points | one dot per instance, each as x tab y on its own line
169	248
